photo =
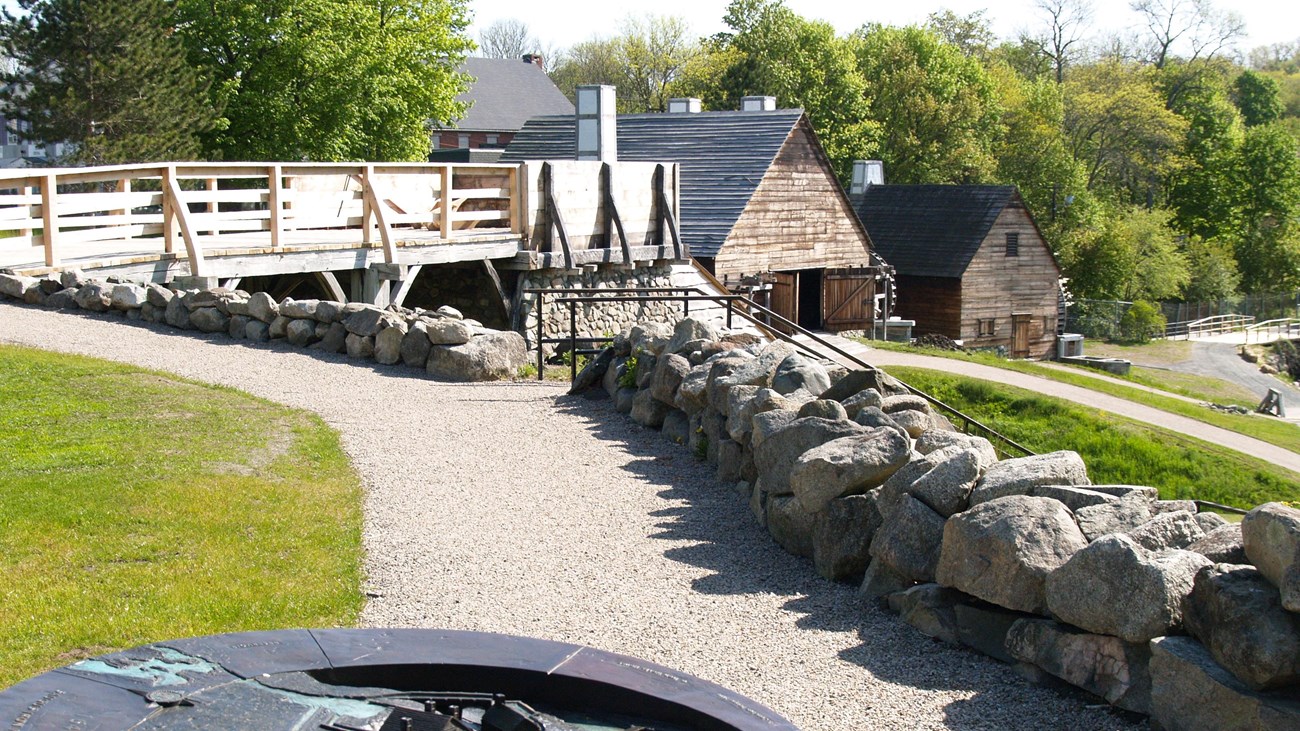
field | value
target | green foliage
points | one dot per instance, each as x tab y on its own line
645	61
1212	269
1133	257
1258	97
1268	243
328	80
107	76
627	379
701	444
114	535
1142	322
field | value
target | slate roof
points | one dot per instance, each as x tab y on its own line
506	93
722	157
931	230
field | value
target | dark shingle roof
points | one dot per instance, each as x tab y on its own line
722	156
931	230
506	93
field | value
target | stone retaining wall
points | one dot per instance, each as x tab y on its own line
593	321
1146	603
441	342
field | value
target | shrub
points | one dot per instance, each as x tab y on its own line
1141	322
627	379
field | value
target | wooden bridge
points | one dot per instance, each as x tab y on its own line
226	221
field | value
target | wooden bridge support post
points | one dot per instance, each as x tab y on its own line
273	186
50	218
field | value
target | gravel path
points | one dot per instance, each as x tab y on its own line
511	508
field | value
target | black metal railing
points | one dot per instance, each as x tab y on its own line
755	314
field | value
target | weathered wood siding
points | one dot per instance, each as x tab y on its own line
798	218
996	285
934	302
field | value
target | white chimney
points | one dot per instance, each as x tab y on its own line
597	120
684	105
865	173
757	103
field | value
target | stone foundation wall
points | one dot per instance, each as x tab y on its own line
593	320
1148	604
441	342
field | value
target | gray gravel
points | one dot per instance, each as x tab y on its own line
512	508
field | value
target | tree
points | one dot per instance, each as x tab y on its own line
1193	27
1258	97
329	79
937	111
644	61
507	38
1203	192
1212	268
107	76
1268	179
1067	21
1133	257
970	33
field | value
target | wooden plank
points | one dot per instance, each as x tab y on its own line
502	297
273	186
614	222
50	219
377	209
556	220
404	287
444	223
330	284
181	213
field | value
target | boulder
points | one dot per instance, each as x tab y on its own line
946	488
1104	666
740	423
650	337
790	525
880	581
909	542
488	357
592	372
65	299
847	466
692	394
1160	507
262	307
328	311
1136	492
929	608
177	314
448	312
209	319
873	418
367	322
824	409
300	332
93	296
860	401
299	309
1074	498
775	456
279	327
624	399
13	285
842	536
158	295
1116	587
767	423
857	381
649	411
1237	614
1222	545
333	340
1020	476
257	331
1122	515
1168	530
218	299
238	326
730	371
1271	536
128	297
388	343
904	402
687	330
900	483
1191	692
797	373
936	439
415	345
645	368
1210	522
359	346
985	628
73	279
1002	550
669	372
677	427
613	373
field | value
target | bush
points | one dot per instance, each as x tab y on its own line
1142	322
627	379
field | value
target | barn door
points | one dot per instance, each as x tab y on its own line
1020	335
785	298
848	299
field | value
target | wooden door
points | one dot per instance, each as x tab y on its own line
848	299
785	298
1020	335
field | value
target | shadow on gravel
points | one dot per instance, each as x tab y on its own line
715	530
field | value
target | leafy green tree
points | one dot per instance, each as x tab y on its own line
107	76
1213	270
1141	322
1133	257
1203	191
328	79
1268	179
645	61
1258	97
937	110
970	33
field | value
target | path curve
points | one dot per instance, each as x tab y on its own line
1095	399
511	508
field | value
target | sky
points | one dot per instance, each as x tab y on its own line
562	24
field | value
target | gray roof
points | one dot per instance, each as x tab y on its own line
931	230
722	157
506	93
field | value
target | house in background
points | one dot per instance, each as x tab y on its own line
759	203
970	262
503	95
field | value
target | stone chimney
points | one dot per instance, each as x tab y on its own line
757	103
866	173
597	123
684	105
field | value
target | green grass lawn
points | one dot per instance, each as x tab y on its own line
1116	450
137	507
1274	431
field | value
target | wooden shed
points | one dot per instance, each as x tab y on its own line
759	202
971	263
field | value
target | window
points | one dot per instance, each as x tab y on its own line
1013	243
985	328
462	141
491	141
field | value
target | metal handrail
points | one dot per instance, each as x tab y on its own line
770	316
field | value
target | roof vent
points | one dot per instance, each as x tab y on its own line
597	121
865	173
757	103
684	105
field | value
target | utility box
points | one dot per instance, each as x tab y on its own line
1069	345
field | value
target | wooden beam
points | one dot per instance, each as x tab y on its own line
50	218
666	216
404	286
374	288
286	286
124	187
273	175
181	213
390	272
169	219
555	220
27	232
444	219
330	284
377	209
613	221
232	283
491	271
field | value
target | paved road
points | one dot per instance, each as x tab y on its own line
1094	399
1220	360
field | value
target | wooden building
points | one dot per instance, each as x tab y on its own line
759	202
503	94
970	261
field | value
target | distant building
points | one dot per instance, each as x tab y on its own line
17	152
505	93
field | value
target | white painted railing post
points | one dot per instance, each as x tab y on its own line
50	218
27	196
124	189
